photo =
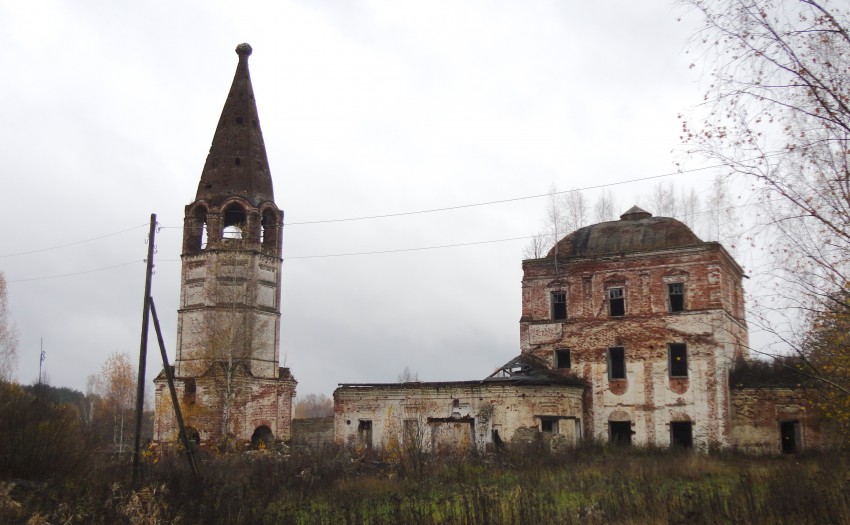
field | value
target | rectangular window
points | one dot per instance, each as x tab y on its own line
412	431
562	359
676	296
549	425
364	432
620	432
189	392
616	362
681	434
559	306
790	431
616	302
678	353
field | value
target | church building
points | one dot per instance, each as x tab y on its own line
629	332
228	379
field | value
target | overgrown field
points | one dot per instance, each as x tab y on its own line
588	485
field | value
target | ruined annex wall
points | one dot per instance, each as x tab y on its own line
258	402
459	414
648	397
757	415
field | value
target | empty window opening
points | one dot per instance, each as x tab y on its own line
559	305
562	359
681	434
237	161
234	221
364	433
262	438
676	295
678	355
549	425
412	432
616	302
239	120
616	362
268	228
620	432
197	235
189	392
790	432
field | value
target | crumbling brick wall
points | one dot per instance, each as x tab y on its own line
461	413
711	326
758	413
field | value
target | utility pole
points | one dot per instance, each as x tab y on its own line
143	353
41	358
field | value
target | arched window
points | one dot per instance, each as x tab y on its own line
234	222
196	236
269	226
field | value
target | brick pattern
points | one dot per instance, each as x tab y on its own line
711	326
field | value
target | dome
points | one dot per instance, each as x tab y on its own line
636	231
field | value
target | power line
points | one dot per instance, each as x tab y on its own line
71	244
72	274
406	249
502	201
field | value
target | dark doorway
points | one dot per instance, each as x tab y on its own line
620	432
681	434
364	433
790	431
262	438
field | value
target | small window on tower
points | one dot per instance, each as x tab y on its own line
559	306
616	302
676	295
562	359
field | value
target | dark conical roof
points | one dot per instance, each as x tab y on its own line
636	231
237	164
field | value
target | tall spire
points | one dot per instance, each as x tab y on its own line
237	164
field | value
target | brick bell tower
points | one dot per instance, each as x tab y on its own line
228	327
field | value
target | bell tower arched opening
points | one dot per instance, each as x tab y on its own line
234	222
269	228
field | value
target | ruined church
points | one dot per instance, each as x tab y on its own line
227	374
628	334
629	331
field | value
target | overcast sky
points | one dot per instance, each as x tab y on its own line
367	108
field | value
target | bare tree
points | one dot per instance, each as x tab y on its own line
575	211
663	200
89	402
689	208
313	405
536	247
777	111
408	376
117	384
8	336
605	207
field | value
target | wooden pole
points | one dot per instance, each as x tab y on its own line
143	354
190	454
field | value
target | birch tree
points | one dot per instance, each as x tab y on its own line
117	384
777	112
8	336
